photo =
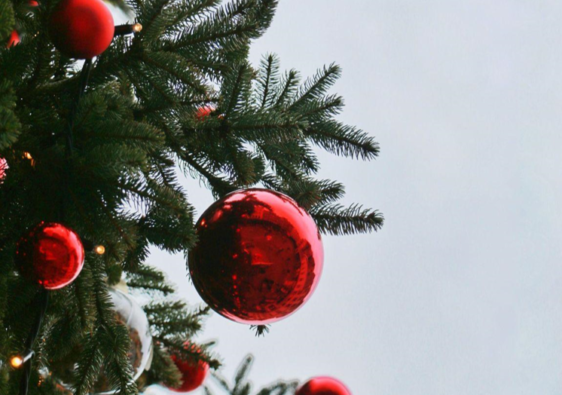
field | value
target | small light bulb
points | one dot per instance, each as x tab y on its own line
27	155
137	27
16	361
100	250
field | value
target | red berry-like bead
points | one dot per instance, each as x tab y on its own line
50	255
81	29
203	112
13	40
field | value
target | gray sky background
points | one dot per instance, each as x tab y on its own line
461	291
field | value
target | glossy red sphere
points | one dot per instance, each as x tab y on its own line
323	386
3	168
258	258
193	374
81	29
13	40
50	255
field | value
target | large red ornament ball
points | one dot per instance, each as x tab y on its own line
81	29
323	386
50	255
13	40
193	373
258	258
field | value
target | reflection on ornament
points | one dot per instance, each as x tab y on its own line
323	386
131	314
258	258
50	255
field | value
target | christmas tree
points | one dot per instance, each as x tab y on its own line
90	156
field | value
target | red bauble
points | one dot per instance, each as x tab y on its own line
50	255
13	40
323	386
81	29
193	373
3	168
259	256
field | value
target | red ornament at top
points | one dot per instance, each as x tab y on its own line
50	255
13	40
193	373
81	29
323	386
258	258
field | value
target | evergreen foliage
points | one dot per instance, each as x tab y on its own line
242	386
117	184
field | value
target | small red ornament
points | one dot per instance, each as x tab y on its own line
193	373
50	255
81	29
3	168
33	3
203	112
323	386
259	256
13	40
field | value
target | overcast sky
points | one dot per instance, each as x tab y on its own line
461	291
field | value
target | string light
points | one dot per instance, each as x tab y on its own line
123	30
17	361
100	250
27	155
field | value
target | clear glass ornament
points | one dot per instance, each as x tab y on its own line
131	314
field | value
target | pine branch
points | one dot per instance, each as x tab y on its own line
337	220
268	78
150	279
317	86
343	140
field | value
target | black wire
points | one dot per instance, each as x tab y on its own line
41	299
82	83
